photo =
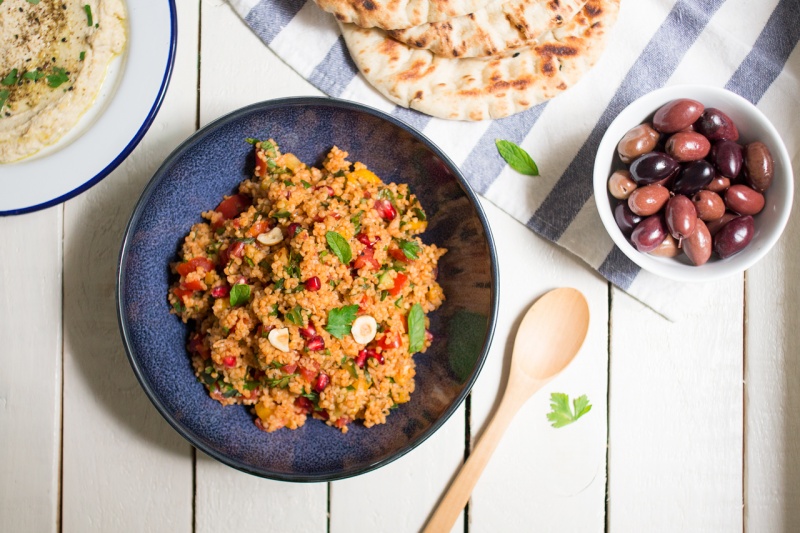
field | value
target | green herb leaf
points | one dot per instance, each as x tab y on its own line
339	247
416	328
3	97
356	220
250	140
34	75
561	413
34	2
410	249
58	77
82	56
11	79
295	316
340	320
516	157
88	9
240	294
306	185
351	368
281	214
178	306
420	214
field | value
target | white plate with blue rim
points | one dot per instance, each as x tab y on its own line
108	132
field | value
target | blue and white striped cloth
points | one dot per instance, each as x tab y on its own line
746	46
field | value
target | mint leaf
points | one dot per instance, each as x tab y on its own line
240	294
516	157
416	328
339	247
340	320
561	414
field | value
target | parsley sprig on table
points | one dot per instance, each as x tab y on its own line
561	413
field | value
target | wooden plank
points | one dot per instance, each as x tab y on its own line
675	424
30	383
269	504
542	478
772	363
125	468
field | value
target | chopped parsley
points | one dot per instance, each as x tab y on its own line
356	220
34	2
410	249
340	320
58	77
295	316
3	97
82	56
281	214
11	79
33	75
420	214
88	9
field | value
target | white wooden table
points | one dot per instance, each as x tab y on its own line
694	427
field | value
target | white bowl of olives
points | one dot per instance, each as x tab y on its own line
693	183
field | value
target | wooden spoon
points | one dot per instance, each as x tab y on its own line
549	337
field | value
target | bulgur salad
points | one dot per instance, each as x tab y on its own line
308	292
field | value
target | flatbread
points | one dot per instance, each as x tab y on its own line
494	30
398	14
475	88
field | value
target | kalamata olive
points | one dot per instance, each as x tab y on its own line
693	177
719	184
667	248
726	156
677	115
680	216
653	167
626	219
648	200
759	167
716	126
734	236
620	184
640	140
649	233
687	146
715	225
744	200
709	205
698	245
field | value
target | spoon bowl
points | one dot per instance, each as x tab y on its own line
548	339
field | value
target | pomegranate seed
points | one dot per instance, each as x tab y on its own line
220	292
321	382
385	209
308	331
323	415
342	422
260	425
236	249
313	284
229	361
304	404
292	230
315	344
378	356
362	358
363	238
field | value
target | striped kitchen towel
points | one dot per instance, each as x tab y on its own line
746	46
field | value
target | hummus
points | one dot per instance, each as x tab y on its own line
55	57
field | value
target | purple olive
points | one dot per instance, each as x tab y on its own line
626	219
649	234
726	156
734	236
716	126
677	115
653	167
693	177
680	216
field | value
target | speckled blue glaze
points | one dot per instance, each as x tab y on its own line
209	165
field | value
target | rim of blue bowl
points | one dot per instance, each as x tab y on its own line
148	192
135	140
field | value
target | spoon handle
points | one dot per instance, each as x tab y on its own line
460	490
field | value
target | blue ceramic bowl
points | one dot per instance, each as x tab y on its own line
209	165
